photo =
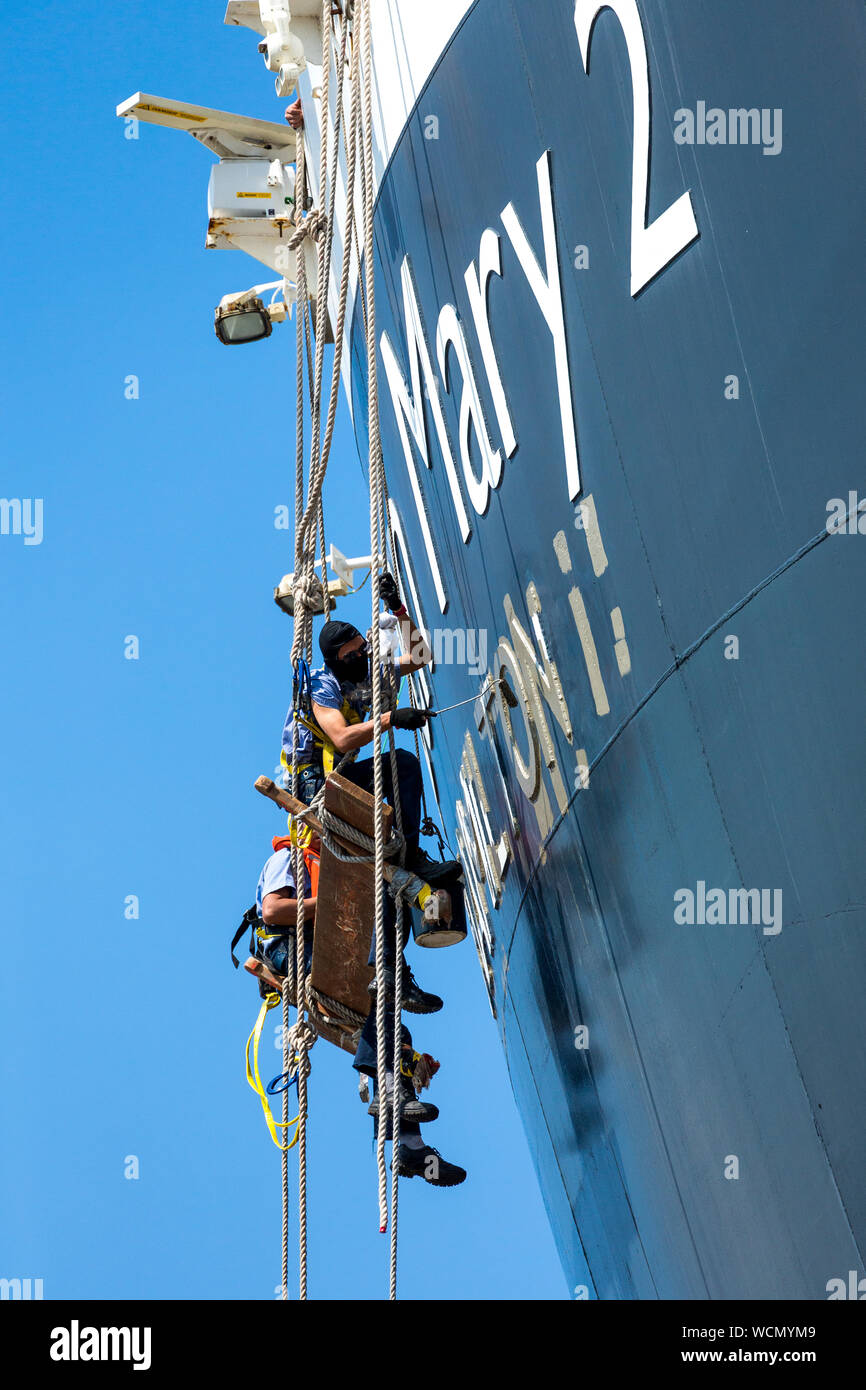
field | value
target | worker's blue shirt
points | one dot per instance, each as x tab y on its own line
277	874
327	691
275	948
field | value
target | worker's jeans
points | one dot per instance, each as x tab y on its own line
275	951
365	1057
310	780
389	932
408	782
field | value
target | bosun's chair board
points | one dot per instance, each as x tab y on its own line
345	907
346	903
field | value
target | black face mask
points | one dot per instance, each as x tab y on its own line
353	669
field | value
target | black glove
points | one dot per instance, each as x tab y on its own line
389	593
408	718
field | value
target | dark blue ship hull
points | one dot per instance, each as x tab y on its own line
705	1137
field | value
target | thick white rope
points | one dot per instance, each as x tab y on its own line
399	923
324	222
399	916
365	56
310	527
297	239
284	1155
337	826
303	1034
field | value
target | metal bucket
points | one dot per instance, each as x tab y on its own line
436	934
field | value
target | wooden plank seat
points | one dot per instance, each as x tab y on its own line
338	1033
346	904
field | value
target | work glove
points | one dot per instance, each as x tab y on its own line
388	592
424	1069
408	718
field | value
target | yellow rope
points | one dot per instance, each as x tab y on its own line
255	1080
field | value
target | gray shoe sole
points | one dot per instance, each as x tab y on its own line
413	1112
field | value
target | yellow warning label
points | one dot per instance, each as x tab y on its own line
167	111
252	195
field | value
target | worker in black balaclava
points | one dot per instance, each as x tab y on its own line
352	668
338	723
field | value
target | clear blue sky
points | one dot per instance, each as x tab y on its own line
135	777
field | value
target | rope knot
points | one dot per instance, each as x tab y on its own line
314	225
302	1036
334	825
307	593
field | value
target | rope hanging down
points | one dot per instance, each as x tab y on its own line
318	225
299	1038
375	476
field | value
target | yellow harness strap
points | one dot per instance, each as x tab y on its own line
264	935
290	767
321	740
299	833
269	1002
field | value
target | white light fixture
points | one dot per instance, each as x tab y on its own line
284	25
251	190
337	588
245	318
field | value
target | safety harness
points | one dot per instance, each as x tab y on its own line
255	1080
302	835
324	754
302	707
251	920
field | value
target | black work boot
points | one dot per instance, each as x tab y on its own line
432	871
428	1163
412	1110
415	1000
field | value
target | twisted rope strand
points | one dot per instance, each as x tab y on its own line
374	477
309	530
